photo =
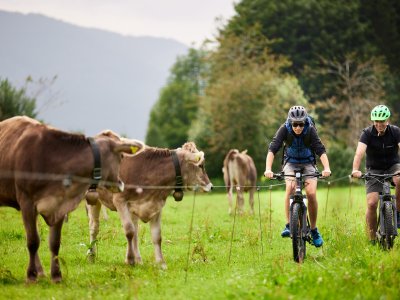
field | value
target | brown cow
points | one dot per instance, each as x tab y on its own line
240	172
150	178
47	171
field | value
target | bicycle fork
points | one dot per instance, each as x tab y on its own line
382	227
305	230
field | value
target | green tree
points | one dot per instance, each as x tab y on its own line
357	87
320	37
384	17
384	20
172	115
246	100
305	30
15	102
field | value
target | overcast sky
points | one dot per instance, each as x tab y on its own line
187	21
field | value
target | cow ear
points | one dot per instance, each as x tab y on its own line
129	146
196	158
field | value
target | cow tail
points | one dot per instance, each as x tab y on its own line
225	169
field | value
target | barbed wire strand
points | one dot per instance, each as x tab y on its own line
68	179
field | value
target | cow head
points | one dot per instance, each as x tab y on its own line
192	167
112	147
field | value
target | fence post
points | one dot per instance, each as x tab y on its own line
327	197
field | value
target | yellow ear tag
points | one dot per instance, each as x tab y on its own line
198	158
134	149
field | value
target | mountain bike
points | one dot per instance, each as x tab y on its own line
386	230
300	230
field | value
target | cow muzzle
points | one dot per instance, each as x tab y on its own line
208	187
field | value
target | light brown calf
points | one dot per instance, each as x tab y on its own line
240	173
150	177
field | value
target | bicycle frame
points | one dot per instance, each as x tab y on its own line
300	231
300	198
386	196
387	226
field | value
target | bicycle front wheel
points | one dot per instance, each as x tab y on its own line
296	226
389	226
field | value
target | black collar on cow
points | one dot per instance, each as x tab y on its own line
96	177
178	194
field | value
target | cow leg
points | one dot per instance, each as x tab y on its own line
129	229
251	200
94	221
239	199
54	243
105	214
136	251
155	228
29	217
229	195
39	267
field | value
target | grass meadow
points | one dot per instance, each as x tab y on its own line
251	262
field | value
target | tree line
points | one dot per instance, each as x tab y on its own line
337	58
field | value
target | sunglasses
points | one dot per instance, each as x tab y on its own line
294	125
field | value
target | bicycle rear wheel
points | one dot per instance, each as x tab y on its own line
296	225
388	238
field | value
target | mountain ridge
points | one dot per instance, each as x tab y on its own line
105	80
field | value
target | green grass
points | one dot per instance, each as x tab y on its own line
249	266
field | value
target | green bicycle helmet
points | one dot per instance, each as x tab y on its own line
380	113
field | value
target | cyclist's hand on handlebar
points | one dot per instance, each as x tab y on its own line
268	174
326	173
356	174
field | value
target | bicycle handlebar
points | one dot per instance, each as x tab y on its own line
381	176
281	176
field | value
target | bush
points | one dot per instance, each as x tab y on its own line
340	160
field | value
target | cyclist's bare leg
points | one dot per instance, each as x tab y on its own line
370	215
290	186
311	192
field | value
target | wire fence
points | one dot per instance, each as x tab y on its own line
68	179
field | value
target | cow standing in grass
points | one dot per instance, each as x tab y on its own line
47	171
240	172
150	177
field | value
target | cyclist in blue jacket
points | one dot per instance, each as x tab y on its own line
381	142
301	142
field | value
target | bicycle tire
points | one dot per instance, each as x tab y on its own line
389	226
296	224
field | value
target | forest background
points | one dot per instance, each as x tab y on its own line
337	58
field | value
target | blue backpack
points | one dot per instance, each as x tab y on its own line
306	138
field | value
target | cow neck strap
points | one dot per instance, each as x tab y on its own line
96	176
178	176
